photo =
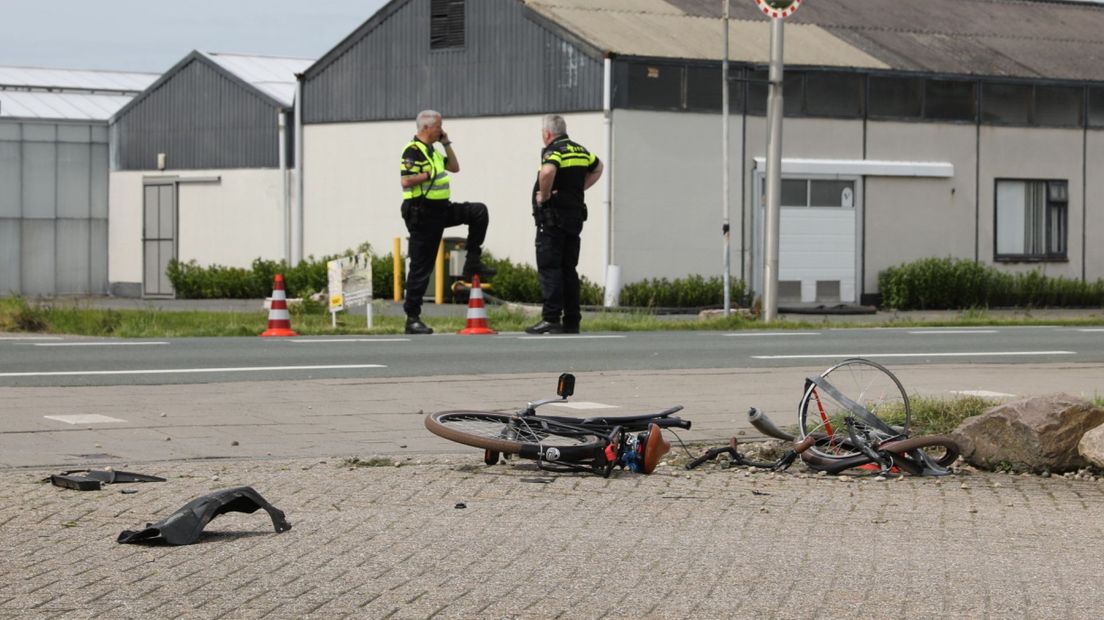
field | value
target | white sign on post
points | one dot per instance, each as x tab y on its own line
350	284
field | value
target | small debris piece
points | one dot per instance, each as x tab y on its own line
460	505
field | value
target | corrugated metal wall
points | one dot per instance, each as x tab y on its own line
201	119
53	208
509	65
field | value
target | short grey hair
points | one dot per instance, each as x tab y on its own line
555	124
427	118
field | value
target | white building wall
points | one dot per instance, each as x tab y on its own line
667	194
1094	209
352	191
1032	154
908	219
229	223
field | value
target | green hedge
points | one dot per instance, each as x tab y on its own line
192	281
950	283
516	283
690	292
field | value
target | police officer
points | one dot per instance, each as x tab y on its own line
567	170
427	211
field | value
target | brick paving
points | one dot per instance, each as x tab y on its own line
390	542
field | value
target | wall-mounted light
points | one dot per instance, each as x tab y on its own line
160	161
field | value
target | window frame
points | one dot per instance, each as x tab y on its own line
1047	255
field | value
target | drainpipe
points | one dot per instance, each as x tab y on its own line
613	272
281	124
298	211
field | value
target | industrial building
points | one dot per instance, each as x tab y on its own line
54	177
201	169
964	128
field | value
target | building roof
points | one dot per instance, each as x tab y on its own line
1016	38
28	78
66	94
59	106
272	75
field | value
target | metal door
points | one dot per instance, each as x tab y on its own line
158	238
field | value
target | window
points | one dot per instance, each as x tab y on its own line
949	100
446	24
655	86
703	89
1006	104
895	97
834	94
1096	107
1059	106
1031	220
816	193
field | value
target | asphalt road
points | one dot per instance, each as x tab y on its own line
71	361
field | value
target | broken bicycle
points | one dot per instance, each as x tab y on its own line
558	443
856	414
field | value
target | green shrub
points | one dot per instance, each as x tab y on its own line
192	281
513	282
690	292
950	283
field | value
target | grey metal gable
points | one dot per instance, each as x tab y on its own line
509	64
201	117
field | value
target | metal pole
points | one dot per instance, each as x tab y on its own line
724	171
298	213
774	174
285	199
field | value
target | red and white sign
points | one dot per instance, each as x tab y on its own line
778	9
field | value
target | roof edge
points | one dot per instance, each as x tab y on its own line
353	38
193	56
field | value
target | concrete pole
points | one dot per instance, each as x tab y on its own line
725	228
774	174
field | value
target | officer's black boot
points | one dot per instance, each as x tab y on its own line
414	325
473	267
545	327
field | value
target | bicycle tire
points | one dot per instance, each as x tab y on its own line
861	381
526	436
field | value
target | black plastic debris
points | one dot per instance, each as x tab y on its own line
184	526
460	505
94	479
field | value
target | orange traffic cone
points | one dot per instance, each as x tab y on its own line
477	312
279	321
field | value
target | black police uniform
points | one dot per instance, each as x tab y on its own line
559	223
427	211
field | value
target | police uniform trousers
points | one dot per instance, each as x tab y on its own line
425	238
557	259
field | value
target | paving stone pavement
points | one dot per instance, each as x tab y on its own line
391	542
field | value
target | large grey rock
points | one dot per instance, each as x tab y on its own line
1091	446
1038	434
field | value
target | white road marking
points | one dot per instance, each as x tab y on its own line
97	344
983	393
582	404
876	355
751	334
924	332
88	418
1093	331
551	337
30	337
313	340
173	371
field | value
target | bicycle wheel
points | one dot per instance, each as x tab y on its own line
830	400
528	436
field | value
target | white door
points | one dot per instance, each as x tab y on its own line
818	258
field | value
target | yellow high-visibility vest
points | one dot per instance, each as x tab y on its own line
434	163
